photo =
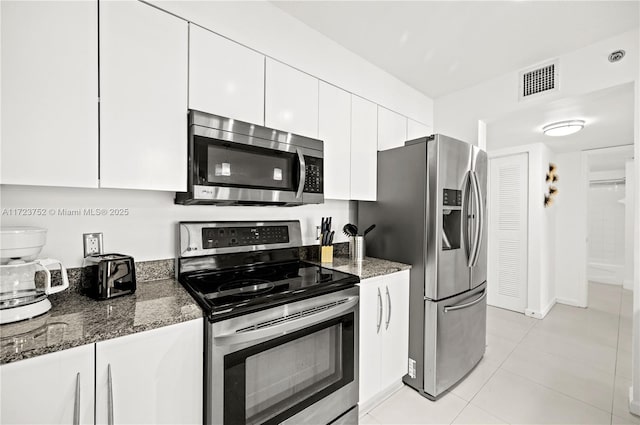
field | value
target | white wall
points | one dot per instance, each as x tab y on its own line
581	71
606	233
267	29
571	222
148	232
629	212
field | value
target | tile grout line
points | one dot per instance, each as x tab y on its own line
555	390
489	379
615	367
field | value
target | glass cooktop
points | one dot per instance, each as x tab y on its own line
228	293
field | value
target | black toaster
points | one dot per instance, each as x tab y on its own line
106	276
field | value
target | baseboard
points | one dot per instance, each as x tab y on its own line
628	284
570	302
540	314
634	405
369	405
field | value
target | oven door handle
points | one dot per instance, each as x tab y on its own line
303	173
287	326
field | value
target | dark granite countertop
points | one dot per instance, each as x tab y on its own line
76	319
368	268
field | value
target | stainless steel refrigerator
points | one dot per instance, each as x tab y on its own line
431	213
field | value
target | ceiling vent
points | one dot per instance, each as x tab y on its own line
539	80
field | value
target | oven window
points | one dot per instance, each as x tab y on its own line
233	165
277	379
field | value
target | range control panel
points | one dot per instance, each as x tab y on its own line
451	197
313	182
224	237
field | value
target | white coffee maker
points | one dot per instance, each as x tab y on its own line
20	297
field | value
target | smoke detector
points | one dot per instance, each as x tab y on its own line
617	55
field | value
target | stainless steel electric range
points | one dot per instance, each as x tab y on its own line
281	334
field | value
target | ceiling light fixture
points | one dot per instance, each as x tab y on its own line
563	128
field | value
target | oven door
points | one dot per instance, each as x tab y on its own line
290	364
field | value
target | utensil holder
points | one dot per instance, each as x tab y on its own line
326	254
356	248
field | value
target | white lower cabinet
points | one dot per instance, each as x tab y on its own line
56	388
149	377
384	336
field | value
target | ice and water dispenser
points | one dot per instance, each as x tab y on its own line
451	216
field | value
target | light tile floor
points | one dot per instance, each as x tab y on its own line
573	367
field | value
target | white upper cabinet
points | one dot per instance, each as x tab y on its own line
49	99
49	389
364	152
225	78
152	377
291	100
392	129
416	129
143	97
335	132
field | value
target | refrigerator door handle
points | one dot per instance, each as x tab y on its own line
479	219
467	217
449	308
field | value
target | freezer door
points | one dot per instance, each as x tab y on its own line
448	182
455	338
479	221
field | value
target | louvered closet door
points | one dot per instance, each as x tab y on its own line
508	221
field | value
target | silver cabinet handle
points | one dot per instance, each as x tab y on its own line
110	396
388	309
379	311
303	173
461	306
76	403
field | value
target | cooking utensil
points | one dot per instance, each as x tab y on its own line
350	229
370	228
330	242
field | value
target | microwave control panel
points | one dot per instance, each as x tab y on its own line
225	237
313	182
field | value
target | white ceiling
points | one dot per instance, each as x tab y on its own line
439	47
608	116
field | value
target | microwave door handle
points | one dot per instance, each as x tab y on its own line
303	173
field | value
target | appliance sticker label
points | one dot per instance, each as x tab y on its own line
223	169
277	174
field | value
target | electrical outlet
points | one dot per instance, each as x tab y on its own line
92	243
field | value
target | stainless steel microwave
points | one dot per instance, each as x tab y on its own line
237	163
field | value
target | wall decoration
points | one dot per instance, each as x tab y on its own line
552	177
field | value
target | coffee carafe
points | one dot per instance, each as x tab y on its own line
25	281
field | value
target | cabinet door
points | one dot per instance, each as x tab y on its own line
291	100
392	129
335	132
49	99
225	78
416	129
47	389
156	376
143	97
364	152
371	299
395	341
